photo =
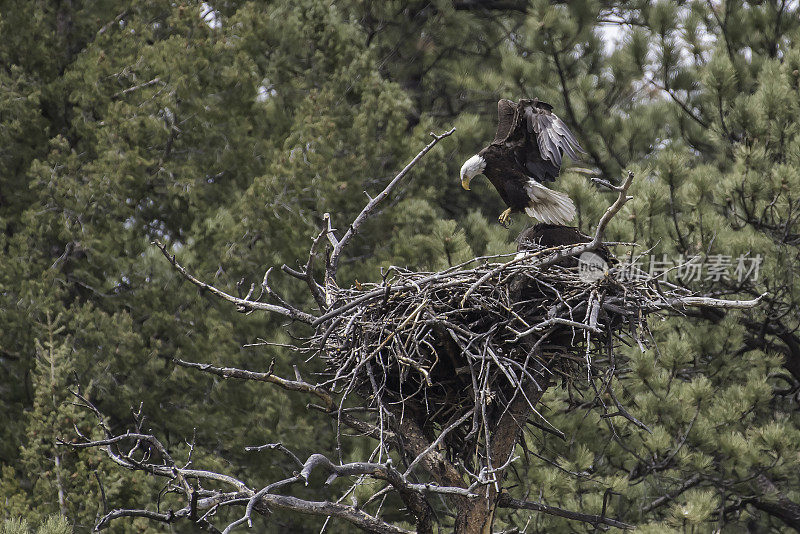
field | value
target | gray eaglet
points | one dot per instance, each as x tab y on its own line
527	150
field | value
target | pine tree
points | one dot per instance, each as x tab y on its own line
51	525
59	480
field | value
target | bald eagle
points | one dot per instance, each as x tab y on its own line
526	151
543	236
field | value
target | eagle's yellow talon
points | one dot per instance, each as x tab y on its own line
505	218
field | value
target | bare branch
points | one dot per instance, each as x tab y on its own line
612	210
384	471
437	441
129	90
241	304
369	209
625	413
168	469
111	23
507	502
350	514
278	446
168	517
263	498
664	499
290	385
308	273
329	405
703	302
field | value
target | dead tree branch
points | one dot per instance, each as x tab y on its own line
243	305
369	209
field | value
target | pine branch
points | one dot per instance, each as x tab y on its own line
507	502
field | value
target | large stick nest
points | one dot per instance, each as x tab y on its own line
478	335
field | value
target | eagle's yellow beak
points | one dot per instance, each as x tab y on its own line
465	182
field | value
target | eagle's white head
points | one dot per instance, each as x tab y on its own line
471	168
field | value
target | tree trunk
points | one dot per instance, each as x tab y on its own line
475	516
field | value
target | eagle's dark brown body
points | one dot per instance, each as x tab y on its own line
506	177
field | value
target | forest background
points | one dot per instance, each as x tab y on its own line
226	130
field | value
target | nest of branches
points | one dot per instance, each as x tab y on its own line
476	337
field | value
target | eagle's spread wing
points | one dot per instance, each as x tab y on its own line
537	136
552	134
506	120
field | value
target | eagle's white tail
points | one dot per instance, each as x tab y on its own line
548	206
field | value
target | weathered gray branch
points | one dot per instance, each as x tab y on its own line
129	90
241	304
703	302
307	275
369	209
348	513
